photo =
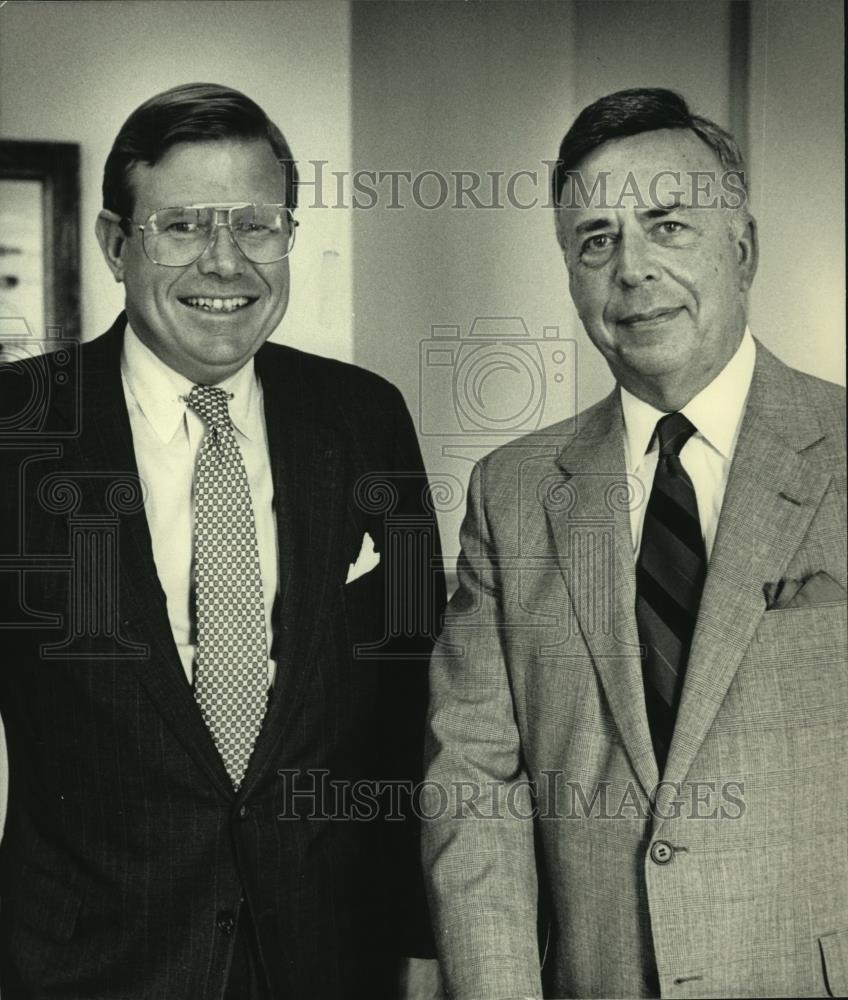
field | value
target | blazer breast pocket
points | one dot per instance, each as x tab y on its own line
365	611
796	670
821	628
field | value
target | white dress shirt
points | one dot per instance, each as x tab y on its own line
716	413
166	436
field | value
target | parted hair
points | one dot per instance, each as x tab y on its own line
191	112
631	112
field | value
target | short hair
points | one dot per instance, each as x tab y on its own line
631	112
192	112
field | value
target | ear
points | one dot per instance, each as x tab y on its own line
111	238
748	252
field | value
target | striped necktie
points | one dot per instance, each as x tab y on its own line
231	664
670	576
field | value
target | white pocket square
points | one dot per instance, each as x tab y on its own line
367	559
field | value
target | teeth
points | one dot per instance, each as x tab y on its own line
216	304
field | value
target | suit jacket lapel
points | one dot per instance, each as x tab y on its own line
307	467
601	582
106	453
772	494
308	470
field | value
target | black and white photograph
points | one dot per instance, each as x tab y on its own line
423	561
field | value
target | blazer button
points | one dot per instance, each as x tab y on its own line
242	813
661	852
225	922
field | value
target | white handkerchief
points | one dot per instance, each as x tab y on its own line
367	559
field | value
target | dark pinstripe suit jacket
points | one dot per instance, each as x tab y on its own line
127	855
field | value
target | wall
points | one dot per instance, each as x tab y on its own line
74	71
797	137
485	89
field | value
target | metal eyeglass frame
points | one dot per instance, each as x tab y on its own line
129	225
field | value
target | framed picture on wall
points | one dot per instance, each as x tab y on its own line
39	245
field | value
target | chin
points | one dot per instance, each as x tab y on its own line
654	359
223	343
231	359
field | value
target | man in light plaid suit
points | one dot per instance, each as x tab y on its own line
639	703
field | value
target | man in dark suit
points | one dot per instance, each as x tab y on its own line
219	593
639	707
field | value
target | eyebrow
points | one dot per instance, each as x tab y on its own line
659	211
597	224
592	226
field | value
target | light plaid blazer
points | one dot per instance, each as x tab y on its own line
730	878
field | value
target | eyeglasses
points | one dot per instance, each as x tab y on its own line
176	237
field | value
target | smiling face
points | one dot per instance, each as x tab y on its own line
207	319
659	289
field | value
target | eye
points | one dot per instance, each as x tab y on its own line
183	228
670	227
251	228
597	244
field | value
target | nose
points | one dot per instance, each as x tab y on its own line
636	261
222	256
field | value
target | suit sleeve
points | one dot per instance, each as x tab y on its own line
478	837
405	684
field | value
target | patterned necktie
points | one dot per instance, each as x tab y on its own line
670	576
231	665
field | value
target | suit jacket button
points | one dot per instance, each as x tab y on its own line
661	852
242	813
225	922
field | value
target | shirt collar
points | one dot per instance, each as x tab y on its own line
160	391
716	411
